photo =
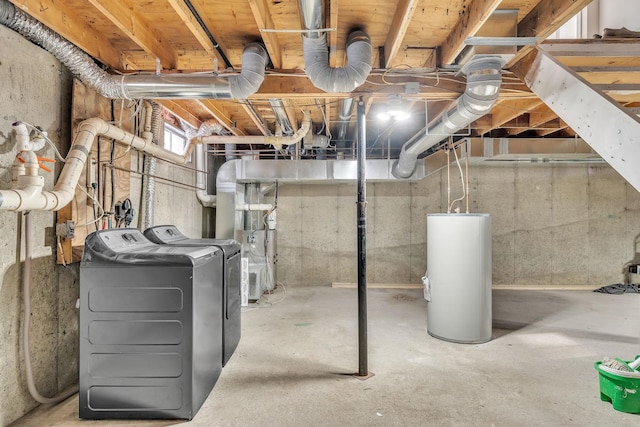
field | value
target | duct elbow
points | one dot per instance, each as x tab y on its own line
340	79
254	61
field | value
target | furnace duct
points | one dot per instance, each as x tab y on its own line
316	54
481	92
134	86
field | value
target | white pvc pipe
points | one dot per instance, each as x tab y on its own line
276	141
26	295
30	197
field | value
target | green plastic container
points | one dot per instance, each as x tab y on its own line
622	392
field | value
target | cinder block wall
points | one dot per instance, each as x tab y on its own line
552	225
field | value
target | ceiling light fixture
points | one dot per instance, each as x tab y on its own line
394	109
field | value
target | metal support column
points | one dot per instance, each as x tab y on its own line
363	370
603	123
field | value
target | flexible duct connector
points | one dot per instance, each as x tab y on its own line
338	79
482	91
174	86
148	179
207	128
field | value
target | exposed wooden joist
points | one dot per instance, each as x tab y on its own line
505	111
254	118
399	25
180	111
334	60
194	27
541	115
476	14
220	115
291	113
544	19
260	9
131	23
65	22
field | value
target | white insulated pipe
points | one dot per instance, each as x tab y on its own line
276	141
30	197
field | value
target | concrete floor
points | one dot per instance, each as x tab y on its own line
292	366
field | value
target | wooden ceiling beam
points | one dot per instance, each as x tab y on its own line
399	26
541	115
260	9
218	113
505	111
544	19
123	15
190	22
180	111
291	111
254	118
64	21
471	20
335	60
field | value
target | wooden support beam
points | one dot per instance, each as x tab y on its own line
476	14
254	118
180	111
399	25
260	9
335	60
504	111
64	21
190	22
218	113
133	25
291	111
544	19
541	115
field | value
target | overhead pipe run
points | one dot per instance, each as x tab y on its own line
316	53
482	91
134	86
276	141
27	193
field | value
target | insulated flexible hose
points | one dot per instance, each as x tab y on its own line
26	281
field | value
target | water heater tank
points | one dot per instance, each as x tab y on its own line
459	273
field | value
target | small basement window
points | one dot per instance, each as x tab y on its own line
175	139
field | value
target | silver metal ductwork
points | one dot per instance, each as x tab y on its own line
207	128
316	53
175	86
482	90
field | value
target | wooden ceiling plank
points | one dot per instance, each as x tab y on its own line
260	9
194	27
471	20
69	25
218	113
123	15
335	60
504	112
398	29
541	115
544	19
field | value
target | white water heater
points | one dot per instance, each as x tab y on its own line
459	277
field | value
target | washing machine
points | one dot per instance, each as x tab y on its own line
231	311
147	316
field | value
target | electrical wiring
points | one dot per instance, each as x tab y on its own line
96	203
461	179
324	118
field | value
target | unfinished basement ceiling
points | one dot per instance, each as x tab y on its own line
413	41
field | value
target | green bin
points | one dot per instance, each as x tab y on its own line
623	392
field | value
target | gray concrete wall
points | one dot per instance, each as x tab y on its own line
36	89
552	225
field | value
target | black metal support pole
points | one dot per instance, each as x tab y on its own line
363	369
